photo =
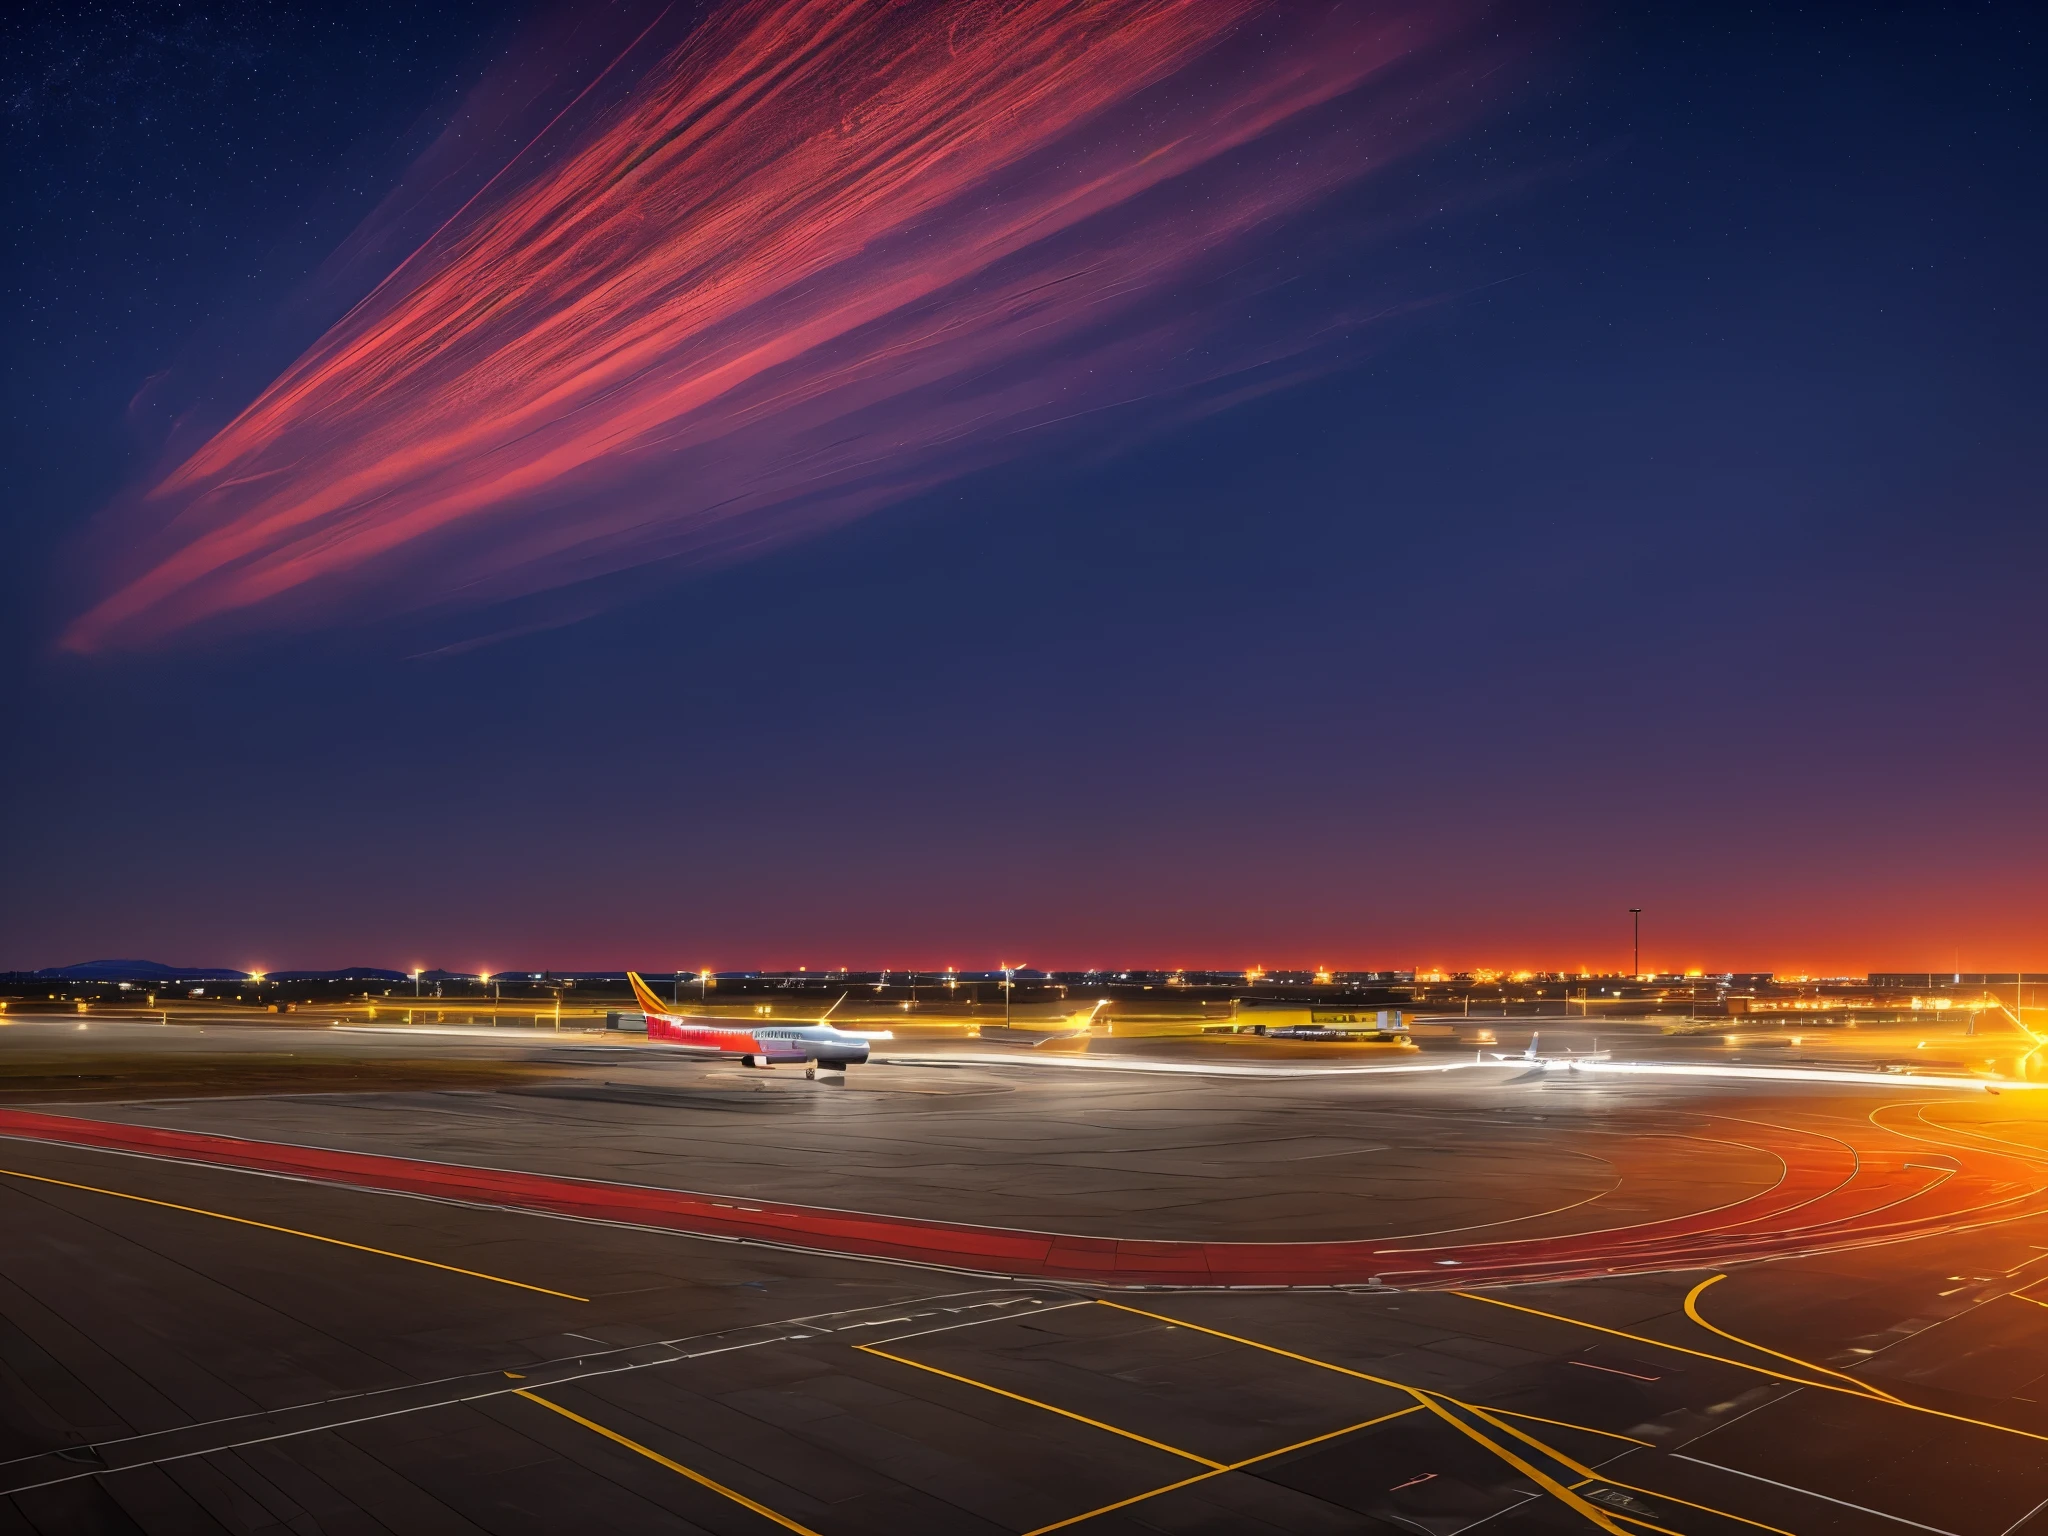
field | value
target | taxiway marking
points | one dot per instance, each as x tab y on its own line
1692	1311
1065	1413
1824	1498
1235	1466
674	1466
244	1221
1824	1386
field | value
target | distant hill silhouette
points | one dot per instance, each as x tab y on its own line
346	973
139	970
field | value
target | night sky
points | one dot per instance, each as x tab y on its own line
1552	461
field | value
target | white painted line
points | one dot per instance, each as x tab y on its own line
1243	1069
1766	1403
491	1032
682	1353
1824	1498
1175	1068
980	1321
371	1418
2023	1519
1506	1509
1796	1075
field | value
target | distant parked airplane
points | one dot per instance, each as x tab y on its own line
756	1045
1075	1026
1538	1062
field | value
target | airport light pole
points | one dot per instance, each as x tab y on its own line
1637	914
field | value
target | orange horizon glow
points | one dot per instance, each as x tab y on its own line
1485	973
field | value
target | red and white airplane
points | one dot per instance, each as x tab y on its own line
756	1045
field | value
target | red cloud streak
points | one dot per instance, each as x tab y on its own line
826	253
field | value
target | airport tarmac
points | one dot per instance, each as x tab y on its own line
581	1284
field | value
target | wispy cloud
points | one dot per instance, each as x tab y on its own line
824	254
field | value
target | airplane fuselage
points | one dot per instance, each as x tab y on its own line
757	1045
764	1045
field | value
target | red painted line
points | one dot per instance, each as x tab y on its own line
1680	1241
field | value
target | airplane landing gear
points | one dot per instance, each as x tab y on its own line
824	1074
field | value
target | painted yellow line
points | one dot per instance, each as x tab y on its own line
1537	1418
1692	1311
1697	1354
315	1237
1380	1381
1823	1386
1638	1520
1079	1418
1203	1477
1586	1473
1136	1498
1493	1415
1423	1399
2033	1300
1217	1333
1672	1498
1536	1475
674	1466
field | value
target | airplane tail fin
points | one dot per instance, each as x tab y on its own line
645	997
1531	1052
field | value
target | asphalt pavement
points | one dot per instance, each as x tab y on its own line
189	1346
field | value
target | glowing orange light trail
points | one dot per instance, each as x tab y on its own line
825	254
